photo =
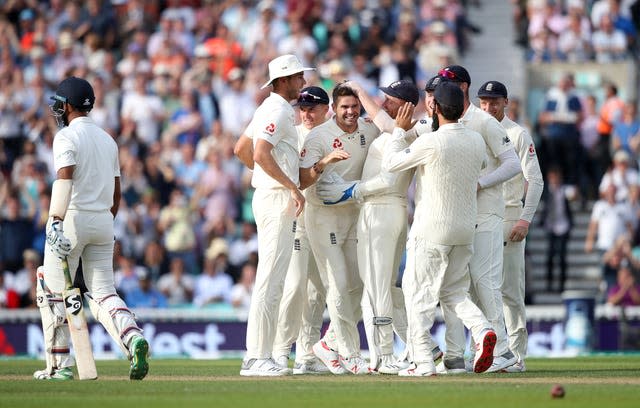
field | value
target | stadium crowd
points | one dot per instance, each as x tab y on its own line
177	81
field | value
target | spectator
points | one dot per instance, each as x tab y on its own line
241	247
143	109
16	234
626	132
608	43
559	119
177	285
24	280
591	173
626	292
185	124
575	41
214	285
557	220
610	113
9	298
177	229
145	295
241	291
126	276
232	95
609	220
625	178
155	259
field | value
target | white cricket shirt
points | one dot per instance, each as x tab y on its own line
490	199
94	154
274	121
325	138
513	189
448	163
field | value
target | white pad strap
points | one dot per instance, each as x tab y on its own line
116	318
60	197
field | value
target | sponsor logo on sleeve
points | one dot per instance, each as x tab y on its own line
506	140
303	153
270	129
532	150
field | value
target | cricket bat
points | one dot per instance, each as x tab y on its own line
78	329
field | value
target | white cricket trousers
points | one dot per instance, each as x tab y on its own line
91	235
437	273
332	235
485	268
382	237
513	291
297	300
274	212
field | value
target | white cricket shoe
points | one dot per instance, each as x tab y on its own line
329	357
518	367
262	367
451	366
310	367
503	361
427	369
388	364
355	365
282	361
58	374
484	351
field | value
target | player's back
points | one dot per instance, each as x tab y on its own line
96	160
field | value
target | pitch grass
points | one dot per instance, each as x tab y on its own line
609	381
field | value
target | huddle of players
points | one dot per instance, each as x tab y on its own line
355	173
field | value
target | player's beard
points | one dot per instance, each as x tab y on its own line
435	124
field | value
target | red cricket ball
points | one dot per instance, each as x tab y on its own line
557	391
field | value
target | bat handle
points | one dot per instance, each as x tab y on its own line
67	274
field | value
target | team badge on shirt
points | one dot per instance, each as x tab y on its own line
505	140
270	129
532	150
337	143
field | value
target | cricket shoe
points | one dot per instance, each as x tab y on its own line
329	357
58	374
436	353
518	367
355	365
484	351
503	361
139	350
262	367
388	364
282	361
419	370
310	367
454	365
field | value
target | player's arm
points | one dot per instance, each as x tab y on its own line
308	176
117	194
502	148
400	157
368	103
243	149
534	188
263	157
60	197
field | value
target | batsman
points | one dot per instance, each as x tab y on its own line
84	201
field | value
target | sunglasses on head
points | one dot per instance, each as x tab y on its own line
308	97
445	73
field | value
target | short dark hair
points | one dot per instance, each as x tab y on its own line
342	90
450	112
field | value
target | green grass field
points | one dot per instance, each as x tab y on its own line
599	381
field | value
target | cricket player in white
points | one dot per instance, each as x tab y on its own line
448	163
485	266
277	202
382	229
303	299
339	145
493	100
84	200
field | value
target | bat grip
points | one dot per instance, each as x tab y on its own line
67	274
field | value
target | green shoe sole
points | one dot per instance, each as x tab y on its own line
139	354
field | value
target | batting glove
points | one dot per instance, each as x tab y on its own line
334	190
58	243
